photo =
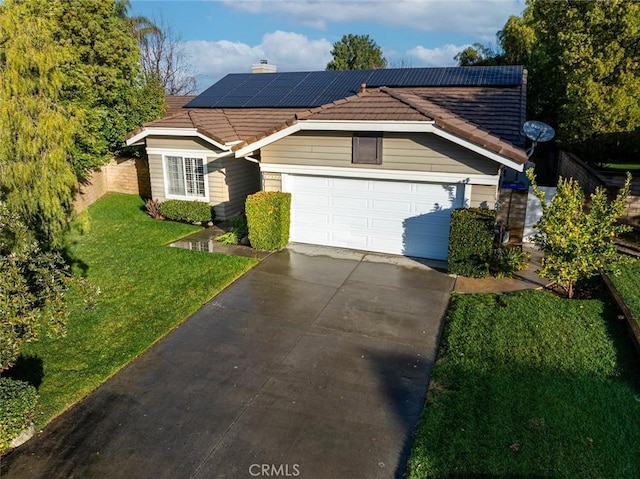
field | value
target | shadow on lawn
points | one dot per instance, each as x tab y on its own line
27	368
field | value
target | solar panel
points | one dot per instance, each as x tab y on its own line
311	89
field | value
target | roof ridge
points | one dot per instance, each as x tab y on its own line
306	113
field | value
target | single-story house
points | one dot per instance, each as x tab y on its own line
374	159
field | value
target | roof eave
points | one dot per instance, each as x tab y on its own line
137	137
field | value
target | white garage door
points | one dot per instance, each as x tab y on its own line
395	217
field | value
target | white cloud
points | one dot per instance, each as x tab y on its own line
480	18
435	57
289	51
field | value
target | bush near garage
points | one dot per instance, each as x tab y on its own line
268	219
18	401
471	241
186	211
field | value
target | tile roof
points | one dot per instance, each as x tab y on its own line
176	102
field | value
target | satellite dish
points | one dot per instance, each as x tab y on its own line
537	132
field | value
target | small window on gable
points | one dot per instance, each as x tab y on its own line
367	148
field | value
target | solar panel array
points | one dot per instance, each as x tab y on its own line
311	89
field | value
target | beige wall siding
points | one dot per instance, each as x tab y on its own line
218	193
178	143
272	182
156	177
411	151
242	178
483	196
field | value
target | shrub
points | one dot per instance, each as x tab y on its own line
186	211
471	241
153	209
18	401
228	238
33	284
239	226
268	218
577	241
508	261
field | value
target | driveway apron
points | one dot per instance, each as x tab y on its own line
314	364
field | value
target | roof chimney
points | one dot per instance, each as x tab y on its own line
363	88
263	67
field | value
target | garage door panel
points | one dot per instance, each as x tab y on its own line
311	219
313	199
348	240
349	221
386	216
389	206
393	187
347	202
347	184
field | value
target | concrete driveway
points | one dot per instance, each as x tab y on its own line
313	365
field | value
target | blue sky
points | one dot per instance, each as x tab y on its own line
227	36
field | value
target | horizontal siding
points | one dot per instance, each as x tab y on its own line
178	143
411	151
483	196
215	180
271	184
242	178
156	177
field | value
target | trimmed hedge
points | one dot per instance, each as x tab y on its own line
186	211
268	219
471	241
18	401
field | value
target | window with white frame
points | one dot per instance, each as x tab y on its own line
185	176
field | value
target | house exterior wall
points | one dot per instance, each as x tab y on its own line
242	179
483	196
229	179
400	151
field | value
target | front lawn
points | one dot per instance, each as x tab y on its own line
628	284
147	289
530	385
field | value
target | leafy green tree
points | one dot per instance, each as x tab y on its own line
356	52
585	72
36	133
103	78
583	58
477	55
577	241
516	40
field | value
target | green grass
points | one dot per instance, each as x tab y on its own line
628	284
530	385
147	289
622	166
